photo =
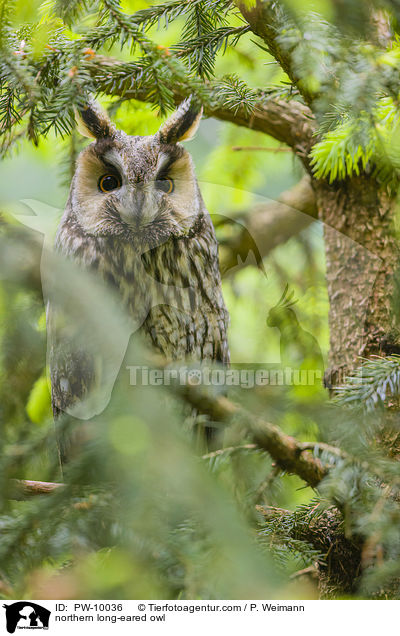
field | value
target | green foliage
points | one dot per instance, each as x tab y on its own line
343	152
47	67
39	87
278	532
73	9
355	145
143	514
234	92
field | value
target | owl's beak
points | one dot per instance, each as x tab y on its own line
138	203
138	208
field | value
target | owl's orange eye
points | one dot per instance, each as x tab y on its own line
165	185
109	182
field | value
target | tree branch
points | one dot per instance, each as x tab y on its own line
284	449
22	489
259	149
264	20
289	122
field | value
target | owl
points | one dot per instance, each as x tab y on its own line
136	218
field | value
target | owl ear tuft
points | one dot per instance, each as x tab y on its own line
183	124
93	122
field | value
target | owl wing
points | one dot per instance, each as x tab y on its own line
72	375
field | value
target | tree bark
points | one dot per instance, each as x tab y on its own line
361	260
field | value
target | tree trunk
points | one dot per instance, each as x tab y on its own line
361	260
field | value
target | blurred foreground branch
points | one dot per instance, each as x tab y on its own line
288	452
24	488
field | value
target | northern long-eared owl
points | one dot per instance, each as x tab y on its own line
135	216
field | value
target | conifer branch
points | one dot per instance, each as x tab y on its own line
372	384
290	122
323	529
284	449
266	19
209	44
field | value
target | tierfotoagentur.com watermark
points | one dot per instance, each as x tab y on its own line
209	376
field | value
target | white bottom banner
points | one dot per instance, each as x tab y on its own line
182	617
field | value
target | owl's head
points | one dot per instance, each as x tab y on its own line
137	187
